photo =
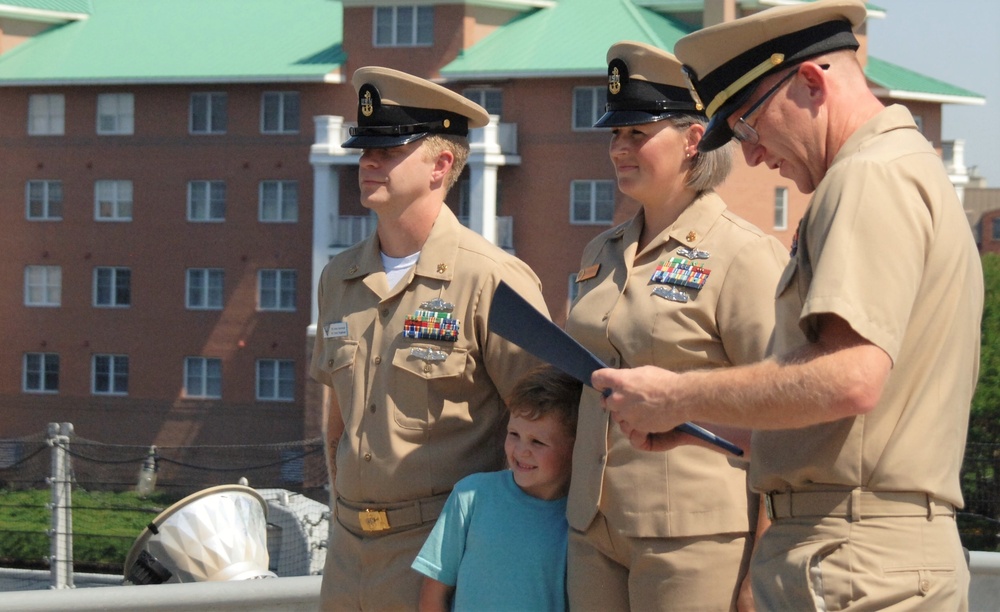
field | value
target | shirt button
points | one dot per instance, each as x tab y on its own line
925	585
385	312
329	363
378	360
368	456
613	361
371	408
427	369
600	459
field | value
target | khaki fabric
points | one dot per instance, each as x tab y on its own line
690	490
886	246
413	426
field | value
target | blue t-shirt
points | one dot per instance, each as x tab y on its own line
501	548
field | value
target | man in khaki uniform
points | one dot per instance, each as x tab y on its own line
417	379
685	284
860	415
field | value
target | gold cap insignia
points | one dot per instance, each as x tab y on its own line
614	81
367	108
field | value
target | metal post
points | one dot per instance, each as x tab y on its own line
61	533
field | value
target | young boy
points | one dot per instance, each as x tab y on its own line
500	542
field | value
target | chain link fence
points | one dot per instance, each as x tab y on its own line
107	511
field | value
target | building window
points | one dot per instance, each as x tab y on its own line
279	201
42	286
588	106
919	120
204	288
404	26
41	373
593	202
113	287
115	113
208	113
280	112
780	208
206	201
110	375
996	228
45	200
202	377
276	290
276	380
46	115
113	200
489	98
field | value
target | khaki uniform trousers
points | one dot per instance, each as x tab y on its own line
862	562
371	571
608	571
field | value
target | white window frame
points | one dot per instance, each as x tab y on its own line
216	111
204	288
112	201
115	114
43	286
46	366
280	112
49	201
46	115
209	205
273	293
278	202
781	208
117	371
115	277
197	370
592	186
490	98
275	380
401	26
597	97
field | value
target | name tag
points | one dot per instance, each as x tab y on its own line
587	273
335	330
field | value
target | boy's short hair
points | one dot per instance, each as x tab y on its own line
546	390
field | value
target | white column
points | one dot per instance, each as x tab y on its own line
485	149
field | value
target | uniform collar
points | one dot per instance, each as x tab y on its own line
689	229
893	117
437	256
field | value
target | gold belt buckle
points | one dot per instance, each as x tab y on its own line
373	520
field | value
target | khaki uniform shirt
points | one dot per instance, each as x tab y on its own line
419	413
689	490
886	246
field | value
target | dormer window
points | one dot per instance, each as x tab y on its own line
404	26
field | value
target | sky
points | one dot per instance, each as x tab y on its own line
955	41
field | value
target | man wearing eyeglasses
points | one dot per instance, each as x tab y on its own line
860	413
416	380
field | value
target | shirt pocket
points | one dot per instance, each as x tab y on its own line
422	388
338	364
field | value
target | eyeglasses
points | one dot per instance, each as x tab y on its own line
742	131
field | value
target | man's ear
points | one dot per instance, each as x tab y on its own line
442	165
814	78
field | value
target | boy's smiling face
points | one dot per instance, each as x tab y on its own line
540	453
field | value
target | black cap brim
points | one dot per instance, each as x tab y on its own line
380	141
622	118
718	132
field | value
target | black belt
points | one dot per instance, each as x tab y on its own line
855	504
382	519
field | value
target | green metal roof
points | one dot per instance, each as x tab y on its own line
895	81
58	6
160	41
569	39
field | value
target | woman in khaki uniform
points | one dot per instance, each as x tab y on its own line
683	285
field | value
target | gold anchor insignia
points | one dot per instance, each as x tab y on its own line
442	268
614	81
367	108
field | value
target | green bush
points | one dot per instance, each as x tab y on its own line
105	525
